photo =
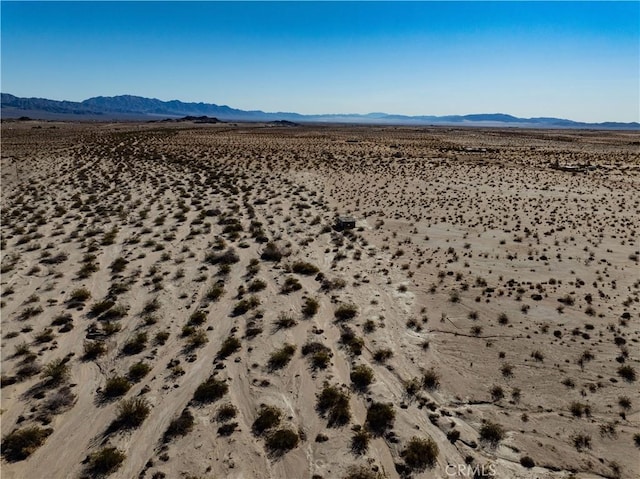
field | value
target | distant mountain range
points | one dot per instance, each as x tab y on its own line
128	107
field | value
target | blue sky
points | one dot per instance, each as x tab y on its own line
577	60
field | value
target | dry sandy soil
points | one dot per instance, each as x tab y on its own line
176	303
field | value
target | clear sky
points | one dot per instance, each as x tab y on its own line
576	60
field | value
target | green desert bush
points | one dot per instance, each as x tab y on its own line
290	285
105	461
346	312
420	453
380	417
628	373
272	252
180	426
116	386
268	418
94	349
310	307
215	292
360	441
282	440
257	285
132	412
361	377
21	443
79	295
197	318
334	404
491	433
242	306
319	354
284	321
211	390
281	357
363	472
56	372
431	380
136	344
226	412
304	268
100	307
138	370
229	346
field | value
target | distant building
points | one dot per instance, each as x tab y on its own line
345	222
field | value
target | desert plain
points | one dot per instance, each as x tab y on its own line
178	302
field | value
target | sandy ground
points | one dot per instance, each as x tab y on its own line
511	284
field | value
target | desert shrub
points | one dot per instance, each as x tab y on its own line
281	357
526	461
56	371
382	355
136	344
210	390
60	400
197	318
21	349
285	321
361	376
197	338
116	386
353	343
21	443
257	285
628	373
346	312
491	433
453	436
319	353
624	402
180	426
272	252
507	370
44	336
362	472
229	257
64	319
577	409
360	441
310	307
431	380
79	295
581	441
420	453
497	393
229	346
138	370
380	417
132	412
228	428
215	292
118	265
30	312
101	306
105	461
226	412
334	403
241	307
268	418
301	267
94	349
290	285
161	337
503	319
537	355
282	440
